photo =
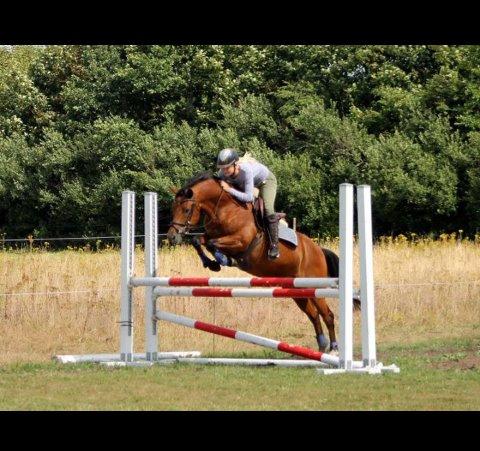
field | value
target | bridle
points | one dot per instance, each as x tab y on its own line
183	228
187	224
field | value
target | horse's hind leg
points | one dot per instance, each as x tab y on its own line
311	310
328	318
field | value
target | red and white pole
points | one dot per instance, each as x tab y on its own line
249	338
284	282
247	292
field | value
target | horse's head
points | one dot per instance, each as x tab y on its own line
188	204
186	213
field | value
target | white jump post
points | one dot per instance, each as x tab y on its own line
345	282
127	265
151	246
345	276
367	289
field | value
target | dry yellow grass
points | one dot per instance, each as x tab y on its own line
424	290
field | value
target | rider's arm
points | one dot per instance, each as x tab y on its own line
247	195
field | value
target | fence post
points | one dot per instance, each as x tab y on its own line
346	276
367	289
127	266
151	246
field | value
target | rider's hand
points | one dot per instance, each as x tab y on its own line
225	185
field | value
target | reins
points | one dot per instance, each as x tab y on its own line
187	225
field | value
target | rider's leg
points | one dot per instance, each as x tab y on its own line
273	252
268	191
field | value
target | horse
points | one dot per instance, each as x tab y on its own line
230	228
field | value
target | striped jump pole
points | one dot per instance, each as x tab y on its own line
247	292
283	282
250	338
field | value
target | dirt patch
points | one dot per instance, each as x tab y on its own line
435	353
467	360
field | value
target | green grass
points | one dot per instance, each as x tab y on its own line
435	375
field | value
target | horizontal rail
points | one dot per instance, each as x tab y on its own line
284	282
249	338
247	292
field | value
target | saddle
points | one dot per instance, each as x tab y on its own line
259	213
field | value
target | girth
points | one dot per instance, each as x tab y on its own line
242	258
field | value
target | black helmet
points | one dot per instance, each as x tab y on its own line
226	157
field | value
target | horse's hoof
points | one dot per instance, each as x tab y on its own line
322	342
214	266
334	352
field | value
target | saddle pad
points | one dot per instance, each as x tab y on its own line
287	234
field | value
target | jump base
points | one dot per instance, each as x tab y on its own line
377	369
102	358
284	363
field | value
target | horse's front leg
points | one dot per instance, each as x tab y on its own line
230	244
219	256
207	263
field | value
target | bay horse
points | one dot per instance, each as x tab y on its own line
230	227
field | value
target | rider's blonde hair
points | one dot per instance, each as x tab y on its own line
247	158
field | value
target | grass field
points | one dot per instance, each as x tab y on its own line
428	323
436	375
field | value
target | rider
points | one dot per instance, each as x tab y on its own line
245	176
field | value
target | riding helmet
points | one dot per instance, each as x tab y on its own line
226	157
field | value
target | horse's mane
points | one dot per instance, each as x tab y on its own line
206	175
200	178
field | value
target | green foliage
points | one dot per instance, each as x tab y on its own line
23	108
250	116
79	124
412	188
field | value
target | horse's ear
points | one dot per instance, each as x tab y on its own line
174	189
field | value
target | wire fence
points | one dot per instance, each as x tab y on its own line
82	238
57	293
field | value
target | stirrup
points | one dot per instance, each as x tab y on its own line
273	249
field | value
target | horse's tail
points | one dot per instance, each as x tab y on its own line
333	271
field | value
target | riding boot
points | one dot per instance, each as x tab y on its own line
273	252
